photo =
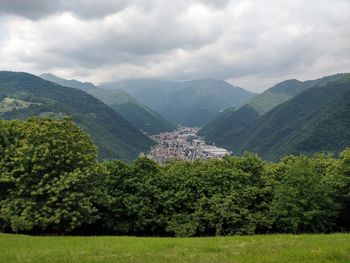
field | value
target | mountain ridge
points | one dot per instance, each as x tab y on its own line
188	103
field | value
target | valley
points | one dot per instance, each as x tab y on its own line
183	144
175	131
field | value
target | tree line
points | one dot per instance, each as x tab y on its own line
52	183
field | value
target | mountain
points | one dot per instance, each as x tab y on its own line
23	95
189	103
135	112
224	128
315	120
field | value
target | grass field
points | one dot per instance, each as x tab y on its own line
10	104
264	248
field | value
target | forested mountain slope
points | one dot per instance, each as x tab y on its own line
316	120
23	95
224	128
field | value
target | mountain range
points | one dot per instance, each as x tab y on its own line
138	114
292	117
189	103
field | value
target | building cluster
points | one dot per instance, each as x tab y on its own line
183	144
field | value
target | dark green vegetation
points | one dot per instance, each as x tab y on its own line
313	118
50	182
141	116
252	249
115	137
190	103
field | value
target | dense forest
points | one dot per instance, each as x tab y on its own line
52	183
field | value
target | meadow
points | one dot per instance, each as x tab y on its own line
257	248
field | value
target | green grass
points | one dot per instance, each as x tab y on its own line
263	248
9	104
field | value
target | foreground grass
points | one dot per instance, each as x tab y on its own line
264	248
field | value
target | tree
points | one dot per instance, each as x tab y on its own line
302	197
217	197
340	175
135	197
47	170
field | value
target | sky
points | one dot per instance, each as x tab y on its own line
253	44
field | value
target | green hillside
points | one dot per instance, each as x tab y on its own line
317	120
276	95
224	128
141	116
189	103
115	137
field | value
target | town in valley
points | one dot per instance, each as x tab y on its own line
183	144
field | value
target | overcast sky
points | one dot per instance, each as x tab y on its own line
251	43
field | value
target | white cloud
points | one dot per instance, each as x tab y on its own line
250	43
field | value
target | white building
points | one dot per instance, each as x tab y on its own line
213	151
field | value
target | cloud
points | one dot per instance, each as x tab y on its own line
250	43
37	9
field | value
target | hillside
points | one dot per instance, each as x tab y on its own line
138	114
316	120
141	116
224	128
24	95
189	103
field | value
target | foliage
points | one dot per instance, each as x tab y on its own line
216	197
51	182
135	197
46	175
341	179
302	199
